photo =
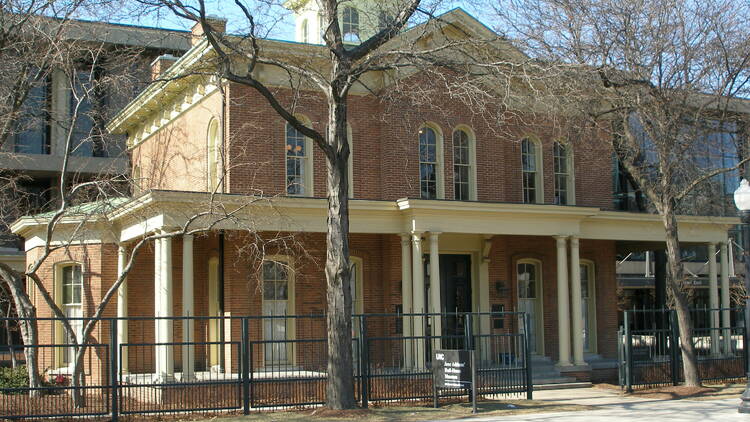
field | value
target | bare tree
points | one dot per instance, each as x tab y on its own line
662	80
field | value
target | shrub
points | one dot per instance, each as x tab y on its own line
14	377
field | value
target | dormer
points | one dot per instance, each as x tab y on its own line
358	19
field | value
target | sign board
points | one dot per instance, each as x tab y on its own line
452	368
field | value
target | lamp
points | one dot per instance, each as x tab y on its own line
742	201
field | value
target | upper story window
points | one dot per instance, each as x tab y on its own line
298	163
304	34
563	168
322	27
87	139
430	170
463	166
33	130
384	19
531	169
214	156
350	25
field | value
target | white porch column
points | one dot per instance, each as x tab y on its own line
158	360
435	302
713	298
188	309
164	357
406	298
577	311
418	295
725	322
563	308
122	309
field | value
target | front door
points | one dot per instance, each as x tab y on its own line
529	302
276	311
455	295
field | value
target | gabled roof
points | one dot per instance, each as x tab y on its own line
150	99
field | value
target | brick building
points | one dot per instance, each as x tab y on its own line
522	220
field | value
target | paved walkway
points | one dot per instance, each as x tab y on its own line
614	408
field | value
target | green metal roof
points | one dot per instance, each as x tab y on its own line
87	208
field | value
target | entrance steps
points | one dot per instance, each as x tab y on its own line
545	376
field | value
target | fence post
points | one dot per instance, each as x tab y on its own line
252	364
744	341
527	357
245	367
628	354
468	332
674	340
364	361
113	369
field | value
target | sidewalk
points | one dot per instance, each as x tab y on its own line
613	408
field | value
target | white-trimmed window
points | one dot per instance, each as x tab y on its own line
531	166
304	34
563	169
588	305
298	163
278	303
430	163
70	300
464	186
350	25
213	157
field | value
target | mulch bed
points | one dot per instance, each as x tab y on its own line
677	392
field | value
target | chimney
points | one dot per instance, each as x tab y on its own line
161	64
217	24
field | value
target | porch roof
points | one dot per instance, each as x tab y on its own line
155	210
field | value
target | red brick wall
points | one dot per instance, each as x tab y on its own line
385	148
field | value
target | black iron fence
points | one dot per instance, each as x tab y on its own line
137	366
649	346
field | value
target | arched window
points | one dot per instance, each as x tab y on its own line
214	157
350	25
430	163
70	299
588	305
531	165
304	34
529	283
563	168
464	187
298	163
278	302
322	27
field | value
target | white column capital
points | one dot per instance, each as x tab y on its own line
405	238
574	241
435	234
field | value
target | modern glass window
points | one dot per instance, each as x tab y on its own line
562	169
530	163
462	170
296	163
87	140
428	163
33	135
350	25
71	289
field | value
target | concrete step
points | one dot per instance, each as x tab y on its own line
561	386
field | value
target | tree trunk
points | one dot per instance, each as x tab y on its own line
340	388
78	380
674	283
26	323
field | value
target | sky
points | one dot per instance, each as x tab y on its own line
278	21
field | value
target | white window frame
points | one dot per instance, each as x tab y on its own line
569	175
307	182
592	304
538	177
59	335
354	28
214	179
291	333
539	291
439	171
304	31
472	161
